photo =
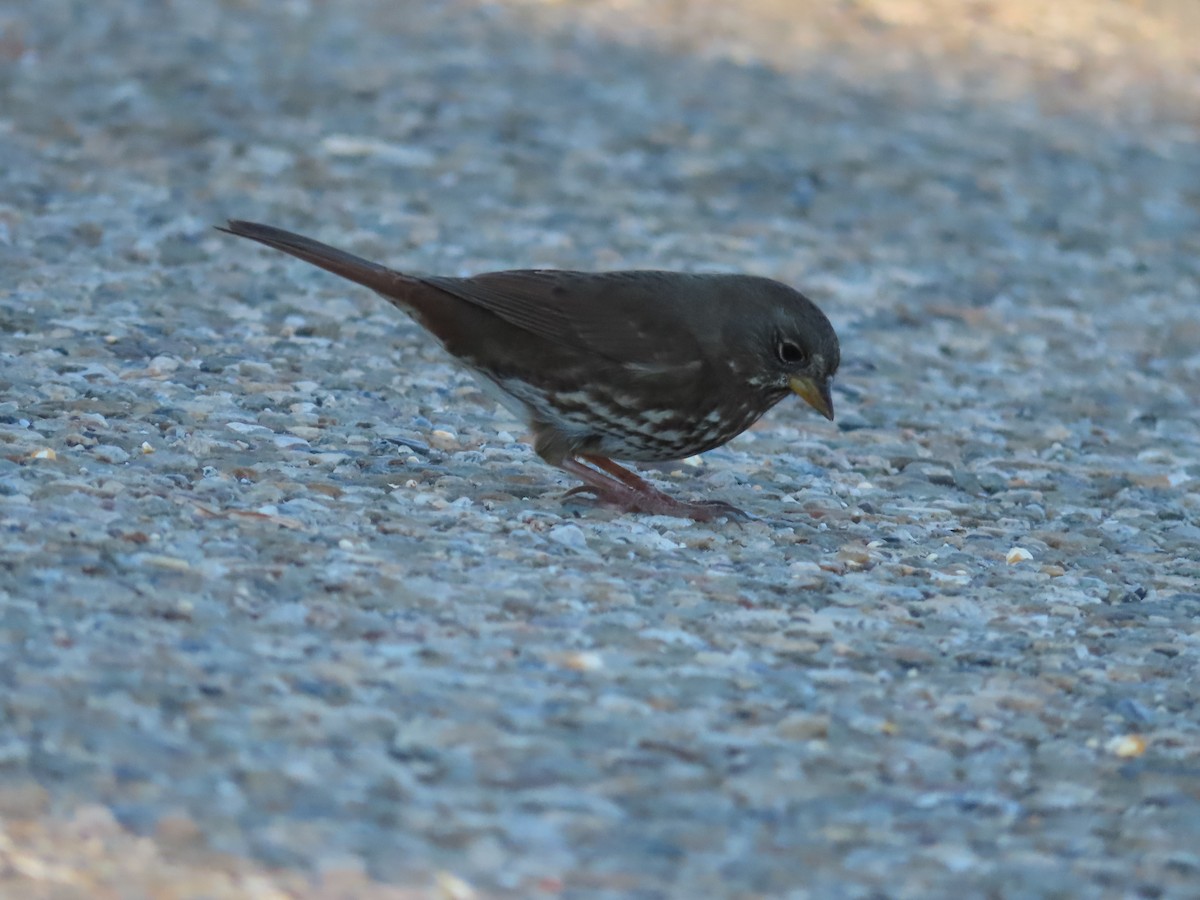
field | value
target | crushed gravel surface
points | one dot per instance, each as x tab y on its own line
288	609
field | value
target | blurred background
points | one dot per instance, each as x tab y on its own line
894	156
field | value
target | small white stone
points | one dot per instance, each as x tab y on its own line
350	146
583	661
1126	746
570	536
110	453
247	428
441	439
162	365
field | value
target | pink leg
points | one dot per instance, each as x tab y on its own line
615	484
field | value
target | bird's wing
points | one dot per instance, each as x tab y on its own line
629	317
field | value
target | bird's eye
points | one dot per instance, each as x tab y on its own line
791	354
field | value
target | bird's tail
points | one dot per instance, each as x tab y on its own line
388	282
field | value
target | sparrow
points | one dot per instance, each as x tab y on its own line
639	365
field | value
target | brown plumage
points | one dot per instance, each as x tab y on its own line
637	365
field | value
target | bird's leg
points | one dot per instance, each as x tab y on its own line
615	484
701	511
635	481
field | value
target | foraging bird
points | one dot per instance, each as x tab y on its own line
637	365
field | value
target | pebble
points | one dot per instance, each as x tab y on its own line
569	536
110	453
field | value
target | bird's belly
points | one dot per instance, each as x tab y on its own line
621	427
662	434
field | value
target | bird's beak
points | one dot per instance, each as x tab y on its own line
814	393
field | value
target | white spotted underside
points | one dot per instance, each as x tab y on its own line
611	423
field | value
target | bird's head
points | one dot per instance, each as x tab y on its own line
790	341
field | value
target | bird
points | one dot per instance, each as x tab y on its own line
638	365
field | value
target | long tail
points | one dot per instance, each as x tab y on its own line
389	282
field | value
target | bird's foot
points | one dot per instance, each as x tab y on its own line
660	504
615	485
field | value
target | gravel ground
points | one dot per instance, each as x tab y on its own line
287	609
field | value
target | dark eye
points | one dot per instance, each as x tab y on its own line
791	354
